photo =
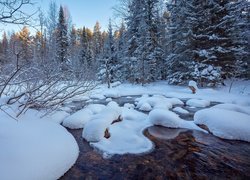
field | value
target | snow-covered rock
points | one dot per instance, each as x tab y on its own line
127	135
156	102
193	84
234	107
199	103
35	149
170	119
180	110
96	108
111	93
115	84
97	96
145	107
78	119
129	106
94	129
108	99
224	123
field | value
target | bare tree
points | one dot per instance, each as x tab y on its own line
11	12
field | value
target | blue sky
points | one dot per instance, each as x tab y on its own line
83	12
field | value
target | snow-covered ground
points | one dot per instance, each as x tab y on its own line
37	147
33	147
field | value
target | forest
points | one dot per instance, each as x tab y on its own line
176	41
162	92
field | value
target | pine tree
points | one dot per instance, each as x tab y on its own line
4	45
109	59
62	39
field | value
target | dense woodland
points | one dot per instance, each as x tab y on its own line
206	41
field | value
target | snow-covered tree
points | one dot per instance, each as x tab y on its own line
62	39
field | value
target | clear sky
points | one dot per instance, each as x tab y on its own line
83	12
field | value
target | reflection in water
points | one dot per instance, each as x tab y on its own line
161	133
189	155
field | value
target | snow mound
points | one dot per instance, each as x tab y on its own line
78	119
156	102
180	110
127	135
97	96
108	100
94	129
234	107
224	123
145	107
96	108
115	84
129	106
112	94
193	84
35	149
199	103
170	119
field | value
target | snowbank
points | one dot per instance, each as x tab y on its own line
170	119
224	123
199	103
35	149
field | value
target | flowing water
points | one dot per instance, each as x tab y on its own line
178	154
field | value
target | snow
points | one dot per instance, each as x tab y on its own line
146	103
112	94
227	124
180	110
94	129
170	119
108	99
199	103
129	106
145	107
127	135
97	96
193	84
234	107
80	118
34	148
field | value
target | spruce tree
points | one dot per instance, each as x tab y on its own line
62	39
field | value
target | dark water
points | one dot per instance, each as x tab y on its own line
189	155
178	154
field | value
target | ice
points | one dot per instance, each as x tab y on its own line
199	103
224	123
